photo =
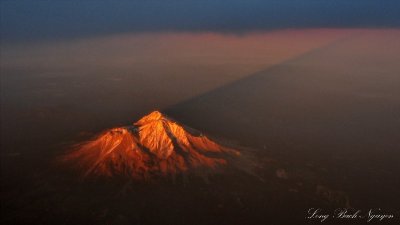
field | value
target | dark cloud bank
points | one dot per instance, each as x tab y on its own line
32	20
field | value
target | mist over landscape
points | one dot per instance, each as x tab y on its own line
188	113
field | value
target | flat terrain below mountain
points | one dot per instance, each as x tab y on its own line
323	122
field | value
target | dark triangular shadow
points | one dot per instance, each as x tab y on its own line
292	106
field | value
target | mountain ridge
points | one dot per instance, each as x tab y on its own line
154	146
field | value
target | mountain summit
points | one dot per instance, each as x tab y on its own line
156	145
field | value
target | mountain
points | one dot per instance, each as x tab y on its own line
154	146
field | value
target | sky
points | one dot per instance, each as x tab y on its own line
26	20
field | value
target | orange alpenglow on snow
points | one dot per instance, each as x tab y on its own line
154	146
